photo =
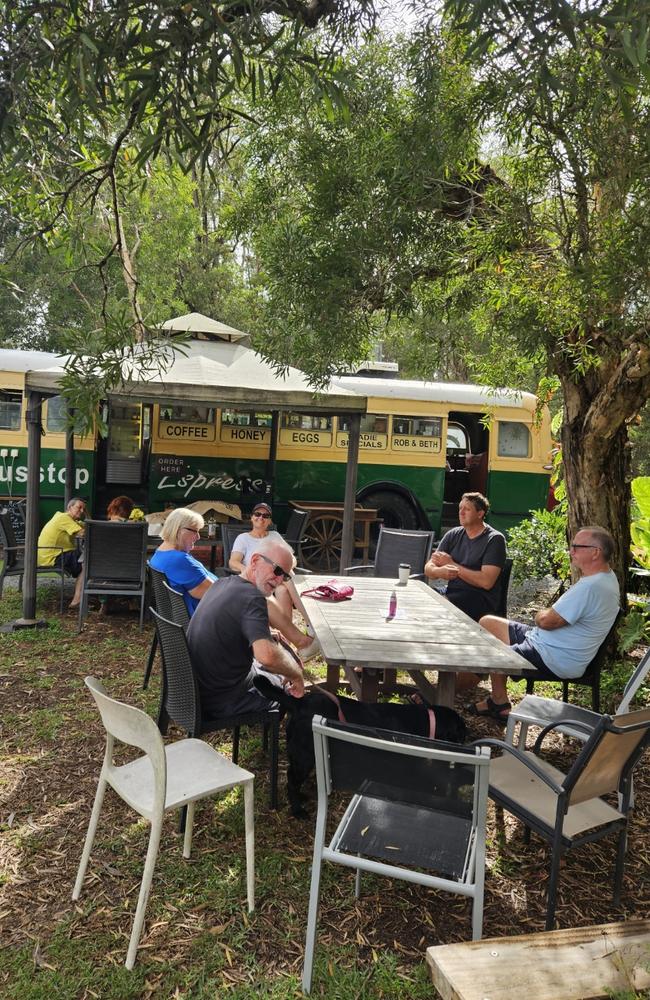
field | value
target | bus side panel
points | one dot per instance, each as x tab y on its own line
182	479
513	494
13	477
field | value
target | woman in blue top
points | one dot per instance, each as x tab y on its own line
181	530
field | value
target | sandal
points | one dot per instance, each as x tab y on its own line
499	713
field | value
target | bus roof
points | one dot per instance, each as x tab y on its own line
27	361
439	392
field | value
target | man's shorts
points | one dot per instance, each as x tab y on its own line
521	644
69	561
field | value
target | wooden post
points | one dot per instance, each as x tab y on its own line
273	454
34	429
354	434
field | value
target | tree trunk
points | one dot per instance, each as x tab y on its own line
597	484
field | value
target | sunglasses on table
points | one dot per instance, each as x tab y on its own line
259	513
277	570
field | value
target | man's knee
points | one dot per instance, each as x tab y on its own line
496	626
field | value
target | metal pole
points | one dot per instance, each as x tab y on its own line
69	461
34	430
354	434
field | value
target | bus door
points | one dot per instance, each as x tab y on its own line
128	435
467	460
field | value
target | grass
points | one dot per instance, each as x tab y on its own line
199	941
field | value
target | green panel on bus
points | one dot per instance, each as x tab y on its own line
513	494
13	477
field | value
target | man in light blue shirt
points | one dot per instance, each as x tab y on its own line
565	637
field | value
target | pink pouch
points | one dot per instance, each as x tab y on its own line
330	591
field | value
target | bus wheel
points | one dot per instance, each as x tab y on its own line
394	510
321	546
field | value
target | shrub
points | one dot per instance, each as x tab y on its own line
538	546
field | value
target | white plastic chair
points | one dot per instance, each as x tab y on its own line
541	712
166	777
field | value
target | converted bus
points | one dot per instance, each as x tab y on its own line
423	444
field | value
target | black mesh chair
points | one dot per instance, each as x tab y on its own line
505	575
414	804
181	701
591	676
568	810
229	532
295	531
13	557
178	612
114	562
395	546
161	602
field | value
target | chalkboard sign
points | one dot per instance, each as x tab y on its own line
16	511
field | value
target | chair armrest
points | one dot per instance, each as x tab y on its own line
350	570
523	759
588	730
417	576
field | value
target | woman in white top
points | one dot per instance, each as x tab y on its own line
285	596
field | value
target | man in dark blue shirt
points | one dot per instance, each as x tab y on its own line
470	558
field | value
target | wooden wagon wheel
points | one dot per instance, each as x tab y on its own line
321	546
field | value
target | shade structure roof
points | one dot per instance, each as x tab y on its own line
197	324
216	373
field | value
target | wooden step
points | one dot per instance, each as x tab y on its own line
573	964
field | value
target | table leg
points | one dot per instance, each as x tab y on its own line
333	675
370	685
446	688
424	686
353	680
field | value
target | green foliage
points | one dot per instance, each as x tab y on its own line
635	627
538	546
640	526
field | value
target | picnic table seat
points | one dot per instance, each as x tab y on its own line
570	964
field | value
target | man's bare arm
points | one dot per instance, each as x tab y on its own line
549	619
277	660
483	578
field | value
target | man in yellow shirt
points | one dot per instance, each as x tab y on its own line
57	544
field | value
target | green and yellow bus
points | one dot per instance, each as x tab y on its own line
423	444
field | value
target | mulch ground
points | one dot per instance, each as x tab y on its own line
48	776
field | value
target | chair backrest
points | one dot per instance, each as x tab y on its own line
608	755
130	725
176	606
180	695
395	546
634	683
8	539
229	533
115	550
504	578
295	529
399	767
595	665
161	600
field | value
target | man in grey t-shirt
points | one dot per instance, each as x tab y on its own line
230	640
471	558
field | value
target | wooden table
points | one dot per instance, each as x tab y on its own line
427	633
321	546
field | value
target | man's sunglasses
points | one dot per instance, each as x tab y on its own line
277	570
259	513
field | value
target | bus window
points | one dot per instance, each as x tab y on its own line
244	418
457	438
245	426
187	414
417	433
56	420
513	440
307	421
11	404
373	432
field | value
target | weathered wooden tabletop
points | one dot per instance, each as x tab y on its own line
426	633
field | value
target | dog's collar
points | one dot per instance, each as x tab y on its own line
336	701
432	724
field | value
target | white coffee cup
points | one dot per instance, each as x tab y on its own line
404	572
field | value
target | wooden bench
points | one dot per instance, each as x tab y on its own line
573	964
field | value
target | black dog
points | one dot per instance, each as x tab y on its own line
413	719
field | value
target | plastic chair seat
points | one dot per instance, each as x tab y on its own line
193	772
